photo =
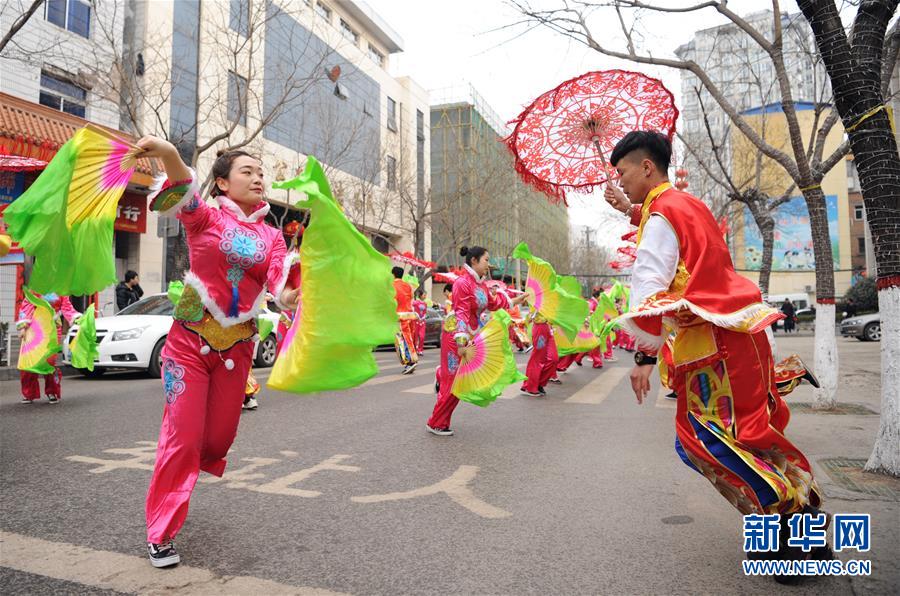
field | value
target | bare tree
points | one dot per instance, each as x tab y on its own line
861	65
19	22
741	174
805	168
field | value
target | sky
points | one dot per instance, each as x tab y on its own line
451	42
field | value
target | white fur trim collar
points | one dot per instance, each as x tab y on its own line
471	272
191	279
233	208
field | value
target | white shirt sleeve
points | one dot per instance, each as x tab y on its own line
656	262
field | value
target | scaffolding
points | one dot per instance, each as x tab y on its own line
477	196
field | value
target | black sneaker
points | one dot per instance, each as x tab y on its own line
53	399
441	432
541	391
672	395
557	381
409	368
25	400
163	555
531	393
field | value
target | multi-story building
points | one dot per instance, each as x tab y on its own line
286	79
476	196
745	75
857	216
58	72
793	265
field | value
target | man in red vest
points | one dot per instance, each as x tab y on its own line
730	418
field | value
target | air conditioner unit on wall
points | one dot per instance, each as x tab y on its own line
808	289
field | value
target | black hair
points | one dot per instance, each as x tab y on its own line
420	292
398	272
596	293
655	146
222	167
130	274
448	288
471	253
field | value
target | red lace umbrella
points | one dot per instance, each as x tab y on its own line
410	259
562	140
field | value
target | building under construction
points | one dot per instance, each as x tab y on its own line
476	196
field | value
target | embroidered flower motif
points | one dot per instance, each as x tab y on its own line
243	249
481	298
541	342
173	380
452	363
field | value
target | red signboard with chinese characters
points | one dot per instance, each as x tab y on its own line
131	214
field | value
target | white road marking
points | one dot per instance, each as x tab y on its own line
127	573
422	390
597	390
456	487
662	401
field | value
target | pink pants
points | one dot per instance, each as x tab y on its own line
446	401
200	420
31	386
544	357
608	354
420	336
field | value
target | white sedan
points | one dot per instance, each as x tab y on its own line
135	336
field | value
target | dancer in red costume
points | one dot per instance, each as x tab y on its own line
730	418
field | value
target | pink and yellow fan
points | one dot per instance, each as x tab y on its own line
584	341
547	297
65	219
491	367
39	342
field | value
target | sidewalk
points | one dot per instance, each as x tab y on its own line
838	443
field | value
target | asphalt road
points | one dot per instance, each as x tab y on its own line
577	493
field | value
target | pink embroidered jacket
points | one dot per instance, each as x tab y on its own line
235	258
61	304
471	297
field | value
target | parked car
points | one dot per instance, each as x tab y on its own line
862	327
434	320
135	336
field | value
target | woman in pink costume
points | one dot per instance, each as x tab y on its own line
236	257
471	297
31	386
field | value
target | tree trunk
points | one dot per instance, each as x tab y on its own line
855	75
826	356
766	224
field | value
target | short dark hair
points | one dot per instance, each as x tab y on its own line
398	272
448	288
655	146
129	275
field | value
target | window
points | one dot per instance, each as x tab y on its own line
237	98
376	56
74	15
239	17
861	244
62	95
391	173
858	213
392	114
349	33
323	11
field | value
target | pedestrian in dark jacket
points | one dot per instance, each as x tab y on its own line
790	315
128	291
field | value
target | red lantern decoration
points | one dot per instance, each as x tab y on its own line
681	173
